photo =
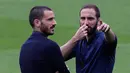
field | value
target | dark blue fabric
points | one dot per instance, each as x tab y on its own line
96	56
41	55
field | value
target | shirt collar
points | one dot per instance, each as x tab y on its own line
39	33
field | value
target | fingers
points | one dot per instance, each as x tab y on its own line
100	22
81	32
107	28
99	28
85	33
84	27
103	27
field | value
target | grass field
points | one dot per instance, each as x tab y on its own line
14	28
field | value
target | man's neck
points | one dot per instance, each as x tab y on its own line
38	30
90	37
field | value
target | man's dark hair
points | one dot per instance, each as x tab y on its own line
92	6
37	12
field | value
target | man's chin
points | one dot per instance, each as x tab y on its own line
51	33
91	33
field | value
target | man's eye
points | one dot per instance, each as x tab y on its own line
90	18
83	18
50	19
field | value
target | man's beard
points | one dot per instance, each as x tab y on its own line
93	30
45	30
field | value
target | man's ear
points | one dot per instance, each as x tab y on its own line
37	23
99	22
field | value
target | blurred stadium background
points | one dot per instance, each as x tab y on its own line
15	28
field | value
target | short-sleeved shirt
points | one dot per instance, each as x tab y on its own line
41	55
96	56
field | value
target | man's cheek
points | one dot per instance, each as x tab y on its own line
81	24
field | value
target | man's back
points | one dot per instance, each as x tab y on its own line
41	55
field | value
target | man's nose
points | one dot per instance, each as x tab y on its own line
86	22
54	22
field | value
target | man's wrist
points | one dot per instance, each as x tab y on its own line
74	39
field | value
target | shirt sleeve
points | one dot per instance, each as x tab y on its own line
53	52
110	48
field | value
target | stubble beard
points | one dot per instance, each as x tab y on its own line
44	29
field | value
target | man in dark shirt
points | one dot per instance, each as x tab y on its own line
40	54
93	45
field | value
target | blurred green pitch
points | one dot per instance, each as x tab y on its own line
15	28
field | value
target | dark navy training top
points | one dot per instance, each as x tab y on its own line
41	55
96	56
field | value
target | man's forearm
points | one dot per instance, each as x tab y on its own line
66	49
110	36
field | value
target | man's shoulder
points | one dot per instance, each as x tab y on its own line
45	42
51	42
47	45
99	36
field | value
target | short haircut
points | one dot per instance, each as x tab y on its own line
37	12
92	6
